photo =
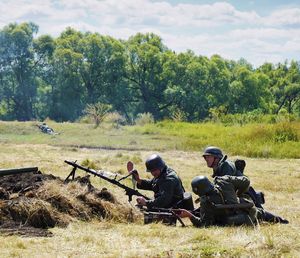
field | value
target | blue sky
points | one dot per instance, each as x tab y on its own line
257	30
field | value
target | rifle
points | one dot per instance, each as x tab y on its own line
128	191
15	171
167	216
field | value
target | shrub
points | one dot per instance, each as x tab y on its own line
285	132
84	120
253	117
115	118
178	116
144	118
97	112
88	163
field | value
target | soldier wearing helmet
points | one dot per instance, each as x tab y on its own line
216	160
165	184
215	197
221	166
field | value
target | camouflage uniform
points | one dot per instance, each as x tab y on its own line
224	192
167	189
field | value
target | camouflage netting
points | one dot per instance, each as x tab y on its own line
33	202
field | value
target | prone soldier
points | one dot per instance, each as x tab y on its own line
221	166
220	203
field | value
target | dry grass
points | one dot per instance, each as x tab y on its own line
280	180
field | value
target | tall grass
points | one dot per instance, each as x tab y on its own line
279	140
267	140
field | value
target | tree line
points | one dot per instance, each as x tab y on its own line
59	77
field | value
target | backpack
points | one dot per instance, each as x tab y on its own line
240	165
257	196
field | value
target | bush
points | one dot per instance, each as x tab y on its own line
84	120
115	118
88	163
97	112
178	116
285	132
253	117
144	118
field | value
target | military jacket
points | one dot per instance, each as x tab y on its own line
224	192
167	189
226	167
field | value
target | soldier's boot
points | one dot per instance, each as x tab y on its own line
273	218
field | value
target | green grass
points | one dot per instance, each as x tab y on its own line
280	140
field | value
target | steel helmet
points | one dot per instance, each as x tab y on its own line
201	185
213	151
154	162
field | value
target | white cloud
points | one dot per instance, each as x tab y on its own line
283	17
204	28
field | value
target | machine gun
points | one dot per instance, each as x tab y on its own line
128	191
15	171
167	216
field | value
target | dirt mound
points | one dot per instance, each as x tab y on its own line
33	202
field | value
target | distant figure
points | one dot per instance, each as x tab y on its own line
45	128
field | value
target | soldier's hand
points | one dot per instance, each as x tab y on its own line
135	174
182	213
141	201
129	166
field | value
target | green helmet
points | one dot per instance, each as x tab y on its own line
154	162
213	151
201	185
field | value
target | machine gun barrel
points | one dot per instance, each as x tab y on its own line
15	171
129	191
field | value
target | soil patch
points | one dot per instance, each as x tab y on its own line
32	203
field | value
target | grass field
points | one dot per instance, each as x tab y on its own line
23	145
279	140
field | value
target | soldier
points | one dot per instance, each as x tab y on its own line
166	185
45	128
219	202
222	166
218	162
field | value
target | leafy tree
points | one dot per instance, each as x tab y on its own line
17	70
143	72
248	91
284	85
292	90
218	83
58	77
103	70
68	93
187	76
44	47
98	112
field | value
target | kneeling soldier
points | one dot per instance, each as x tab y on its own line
165	184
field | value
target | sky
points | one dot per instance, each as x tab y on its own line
257	30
